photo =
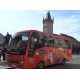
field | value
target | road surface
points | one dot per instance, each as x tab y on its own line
73	64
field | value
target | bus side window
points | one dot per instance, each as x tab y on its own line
59	43
33	45
68	44
63	43
46	40
51	41
43	40
40	43
56	45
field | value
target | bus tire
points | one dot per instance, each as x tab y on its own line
63	62
40	65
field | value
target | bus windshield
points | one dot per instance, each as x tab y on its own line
19	42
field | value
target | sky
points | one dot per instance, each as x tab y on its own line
65	21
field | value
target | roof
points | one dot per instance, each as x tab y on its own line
72	38
56	35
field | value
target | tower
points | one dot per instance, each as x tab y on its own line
48	24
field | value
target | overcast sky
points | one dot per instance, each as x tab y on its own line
65	21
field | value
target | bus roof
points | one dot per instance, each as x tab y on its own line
56	35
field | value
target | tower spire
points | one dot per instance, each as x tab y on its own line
48	23
48	16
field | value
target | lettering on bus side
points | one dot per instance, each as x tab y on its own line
42	52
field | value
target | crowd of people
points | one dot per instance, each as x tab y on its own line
4	48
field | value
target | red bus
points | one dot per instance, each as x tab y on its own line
35	49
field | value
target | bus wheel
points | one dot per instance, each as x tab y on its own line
40	65
64	60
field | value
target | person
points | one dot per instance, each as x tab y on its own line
4	53
0	53
7	38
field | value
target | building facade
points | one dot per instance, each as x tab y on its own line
48	23
1	39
